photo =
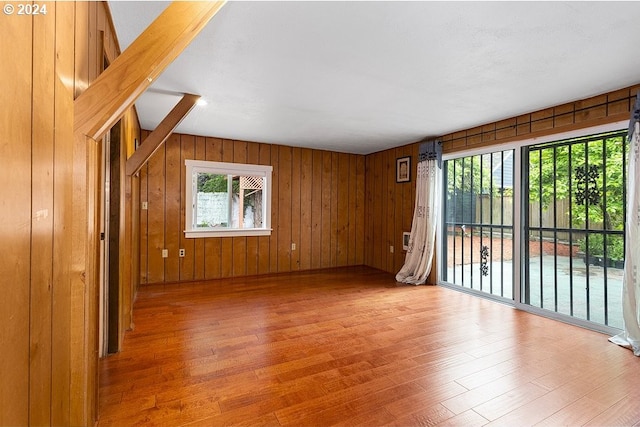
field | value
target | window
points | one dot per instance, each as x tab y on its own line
227	199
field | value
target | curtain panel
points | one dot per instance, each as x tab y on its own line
630	337
419	258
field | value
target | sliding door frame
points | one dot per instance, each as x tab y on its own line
518	208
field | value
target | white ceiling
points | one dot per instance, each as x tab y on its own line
361	77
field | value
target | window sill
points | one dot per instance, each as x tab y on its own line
190	234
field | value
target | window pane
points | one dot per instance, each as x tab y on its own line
575	229
212	201
479	223
247	202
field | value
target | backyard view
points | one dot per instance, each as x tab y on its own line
573	230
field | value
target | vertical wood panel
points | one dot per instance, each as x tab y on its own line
226	243
334	207
378	213
382	225
326	249
306	208
156	215
391	212
144	229
42	210
275	210
253	158
368	216
296	159
134	242
317	202
353	208
264	242
342	224
239	244
199	252
95	46
187	263
361	212
63	217
212	245
397	224
81	51
15	217
172	208
284	208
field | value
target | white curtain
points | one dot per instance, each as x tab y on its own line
630	337
419	258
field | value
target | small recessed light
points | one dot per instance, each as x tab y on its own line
201	102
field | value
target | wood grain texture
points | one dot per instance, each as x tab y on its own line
156	215
306	208
98	108
353	347
188	262
172	206
296	218
283	214
308	200
51	215
16	218
160	134
66	347
42	209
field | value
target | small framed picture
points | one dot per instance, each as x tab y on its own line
405	240
403	169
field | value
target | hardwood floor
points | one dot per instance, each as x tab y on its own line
352	347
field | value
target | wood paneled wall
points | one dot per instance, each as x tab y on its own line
48	373
317	203
389	205
601	109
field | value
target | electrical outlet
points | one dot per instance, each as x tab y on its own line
391	249
165	253
181	253
293	246
145	206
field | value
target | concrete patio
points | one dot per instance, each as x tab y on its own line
559	293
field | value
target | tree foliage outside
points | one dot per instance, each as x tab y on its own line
589	172
473	181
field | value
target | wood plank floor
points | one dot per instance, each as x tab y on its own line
352	347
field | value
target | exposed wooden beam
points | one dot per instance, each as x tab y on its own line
114	91
160	134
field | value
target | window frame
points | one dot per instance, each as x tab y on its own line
223	168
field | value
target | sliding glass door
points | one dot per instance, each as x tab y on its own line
546	234
478	223
574	227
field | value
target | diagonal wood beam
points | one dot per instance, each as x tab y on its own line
160	134
99	108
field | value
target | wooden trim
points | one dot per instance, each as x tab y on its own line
160	134
98	108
